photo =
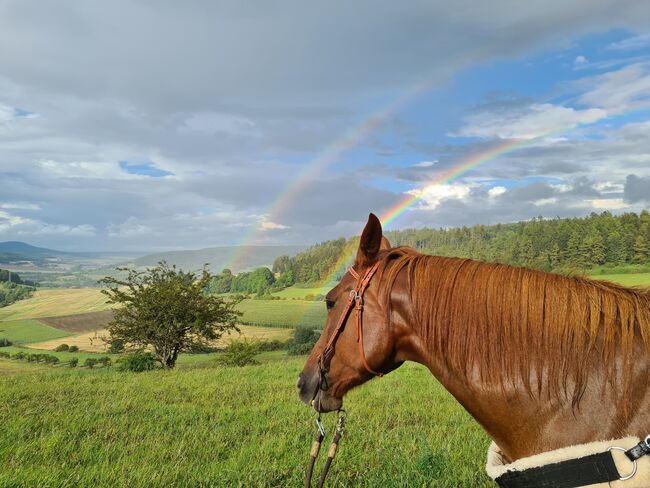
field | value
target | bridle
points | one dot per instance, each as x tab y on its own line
355	301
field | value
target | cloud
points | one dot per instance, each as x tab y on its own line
580	61
641	41
527	122
637	189
618	91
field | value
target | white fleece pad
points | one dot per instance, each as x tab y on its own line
496	466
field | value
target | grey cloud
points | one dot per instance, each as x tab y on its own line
637	189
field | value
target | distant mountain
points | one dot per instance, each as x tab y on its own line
24	249
237	258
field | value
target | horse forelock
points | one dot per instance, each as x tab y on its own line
505	324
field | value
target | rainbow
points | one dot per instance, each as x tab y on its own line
452	174
313	168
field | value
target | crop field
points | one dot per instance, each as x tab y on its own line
54	303
283	313
82	322
26	331
93	341
222	426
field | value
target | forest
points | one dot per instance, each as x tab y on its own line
13	288
575	245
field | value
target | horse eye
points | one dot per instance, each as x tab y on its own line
330	303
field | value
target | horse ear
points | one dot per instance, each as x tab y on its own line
372	241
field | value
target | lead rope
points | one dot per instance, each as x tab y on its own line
331	453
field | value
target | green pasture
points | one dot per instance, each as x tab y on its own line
26	331
298	292
627	279
217	426
283	313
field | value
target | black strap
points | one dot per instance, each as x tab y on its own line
596	468
640	450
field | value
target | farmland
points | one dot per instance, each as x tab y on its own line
56	302
283	313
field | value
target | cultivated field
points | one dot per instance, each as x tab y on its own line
92	341
283	313
227	427
56	302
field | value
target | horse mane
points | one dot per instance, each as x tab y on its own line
513	325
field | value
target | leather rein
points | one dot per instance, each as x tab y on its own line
355	301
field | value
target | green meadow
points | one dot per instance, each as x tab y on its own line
283	313
218	426
29	330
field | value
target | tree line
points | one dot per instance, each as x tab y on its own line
13	288
561	245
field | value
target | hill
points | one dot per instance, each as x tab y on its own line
250	257
616	243
27	250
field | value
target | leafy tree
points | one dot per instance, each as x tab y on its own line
641	249
73	349
167	310
73	362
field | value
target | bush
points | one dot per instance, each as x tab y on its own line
239	353
19	356
5	342
73	362
303	341
274	345
5	355
90	363
73	349
137	362
104	361
51	359
62	348
116	346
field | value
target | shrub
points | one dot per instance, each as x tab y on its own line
73	349
19	356
303	341
51	359
5	342
104	361
137	362
5	355
274	345
62	348
73	362
90	363
239	353
116	346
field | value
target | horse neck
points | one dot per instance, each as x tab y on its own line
521	424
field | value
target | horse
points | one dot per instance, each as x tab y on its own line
541	361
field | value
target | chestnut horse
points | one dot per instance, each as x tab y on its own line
540	360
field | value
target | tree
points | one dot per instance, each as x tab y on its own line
641	249
167	310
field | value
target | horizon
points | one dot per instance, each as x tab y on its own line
239	135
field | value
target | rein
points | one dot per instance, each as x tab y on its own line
355	301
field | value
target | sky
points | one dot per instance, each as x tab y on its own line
150	126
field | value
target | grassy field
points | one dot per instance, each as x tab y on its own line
92	341
283	313
227	427
632	279
55	302
26	331
299	293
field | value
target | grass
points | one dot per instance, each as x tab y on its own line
283	313
227	427
636	279
92	341
299	293
26	331
55	302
